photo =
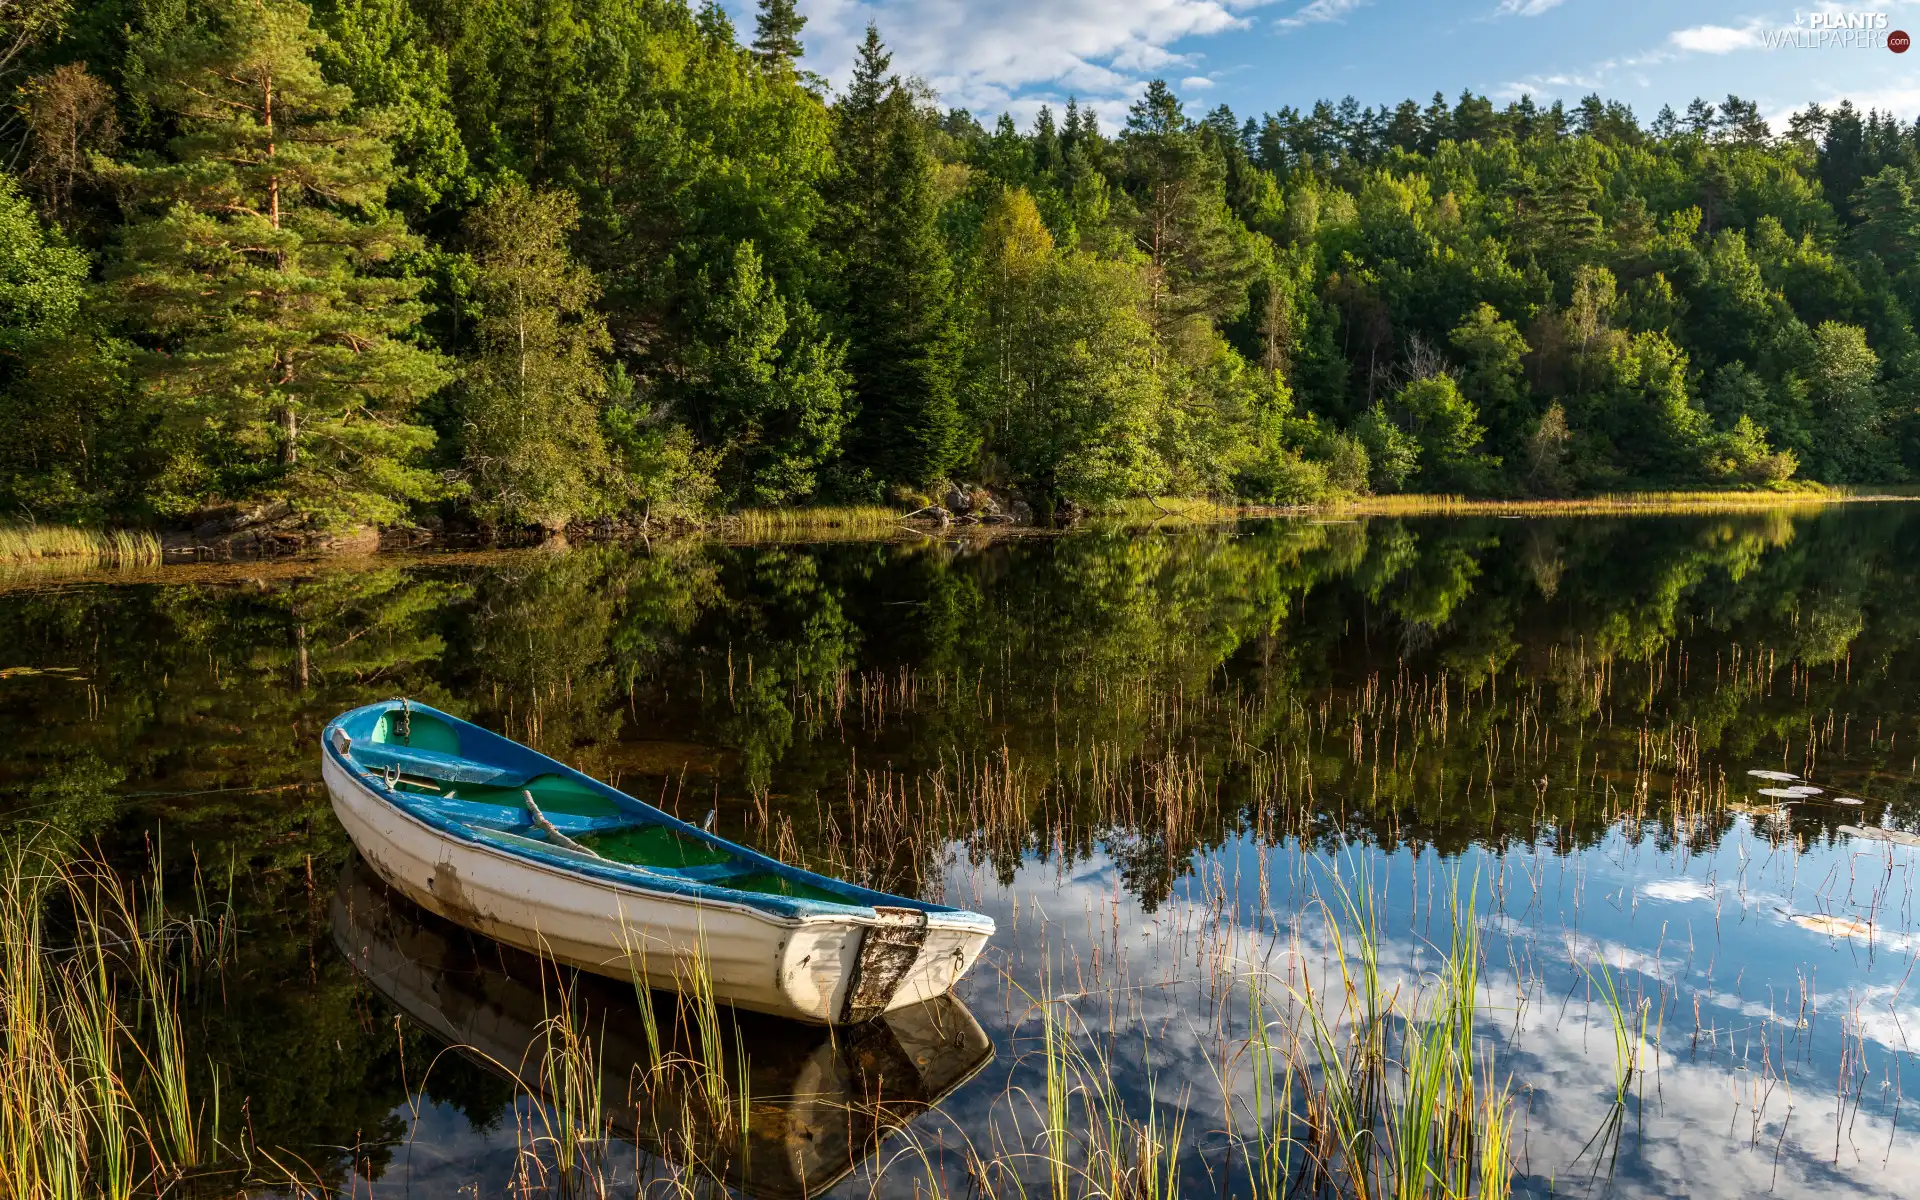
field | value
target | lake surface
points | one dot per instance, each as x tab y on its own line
1168	763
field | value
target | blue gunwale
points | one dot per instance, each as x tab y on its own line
487	757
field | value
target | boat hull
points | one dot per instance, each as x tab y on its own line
806	968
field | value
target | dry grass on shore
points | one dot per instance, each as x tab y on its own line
1613	502
1174	510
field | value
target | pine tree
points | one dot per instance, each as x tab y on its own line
257	269
1699	117
776	34
1201	258
896	281
531	406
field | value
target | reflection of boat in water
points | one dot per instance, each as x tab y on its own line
820	1099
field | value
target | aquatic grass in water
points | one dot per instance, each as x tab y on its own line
1387	1088
1359	1090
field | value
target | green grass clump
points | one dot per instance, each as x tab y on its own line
106	547
774	524
1197	510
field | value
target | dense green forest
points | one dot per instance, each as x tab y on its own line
527	263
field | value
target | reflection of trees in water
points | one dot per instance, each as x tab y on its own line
197	719
1305	614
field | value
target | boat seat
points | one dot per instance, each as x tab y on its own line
717	873
502	816
434	764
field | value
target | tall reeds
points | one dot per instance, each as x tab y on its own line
1358	1083
1372	1091
95	1095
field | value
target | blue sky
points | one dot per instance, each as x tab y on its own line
1258	55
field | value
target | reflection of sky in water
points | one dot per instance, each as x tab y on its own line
1751	1009
1777	1002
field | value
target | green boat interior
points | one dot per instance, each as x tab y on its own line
418	757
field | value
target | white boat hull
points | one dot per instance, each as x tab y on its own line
801	967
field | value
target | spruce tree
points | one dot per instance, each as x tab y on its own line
897	284
776	33
258	273
531	414
772	395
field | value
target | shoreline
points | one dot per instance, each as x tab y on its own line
134	558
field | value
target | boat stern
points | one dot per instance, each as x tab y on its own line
847	972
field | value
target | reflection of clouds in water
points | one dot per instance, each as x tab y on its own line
1694	1128
1677	891
1697	1134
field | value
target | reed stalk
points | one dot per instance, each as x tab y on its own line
95	1097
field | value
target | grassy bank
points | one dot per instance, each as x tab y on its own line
1198	510
1174	510
67	549
67	544
1611	502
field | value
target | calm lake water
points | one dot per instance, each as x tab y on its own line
1159	760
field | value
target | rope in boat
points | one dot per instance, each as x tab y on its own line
547	827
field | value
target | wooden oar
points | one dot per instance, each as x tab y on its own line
547	827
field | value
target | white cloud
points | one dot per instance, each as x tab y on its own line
1001	55
1717	39
1525	8
1900	101
1195	83
1318	12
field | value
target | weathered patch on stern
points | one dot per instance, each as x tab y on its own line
887	952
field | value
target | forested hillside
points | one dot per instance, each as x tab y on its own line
525	263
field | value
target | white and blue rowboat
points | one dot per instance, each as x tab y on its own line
507	842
